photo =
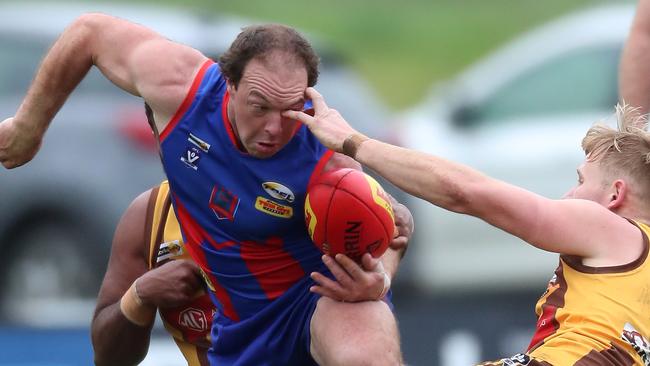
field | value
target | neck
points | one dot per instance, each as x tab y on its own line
633	213
231	120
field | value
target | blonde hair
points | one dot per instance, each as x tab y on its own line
623	152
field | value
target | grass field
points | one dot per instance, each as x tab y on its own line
402	47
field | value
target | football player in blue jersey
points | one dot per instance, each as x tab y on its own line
238	172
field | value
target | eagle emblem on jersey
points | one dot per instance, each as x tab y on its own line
637	341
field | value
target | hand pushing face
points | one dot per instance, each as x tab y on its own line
269	86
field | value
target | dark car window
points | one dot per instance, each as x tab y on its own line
584	80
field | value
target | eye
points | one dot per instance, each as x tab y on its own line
259	108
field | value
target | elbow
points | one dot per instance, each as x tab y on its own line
87	22
458	198
85	27
111	358
111	352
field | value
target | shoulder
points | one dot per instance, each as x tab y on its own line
140	206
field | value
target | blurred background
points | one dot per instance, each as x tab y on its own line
508	87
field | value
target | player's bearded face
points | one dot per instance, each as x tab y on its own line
267	88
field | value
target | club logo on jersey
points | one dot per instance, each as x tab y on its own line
278	191
191	157
516	360
169	250
223	203
273	208
637	341
193	319
204	146
192	153
551	285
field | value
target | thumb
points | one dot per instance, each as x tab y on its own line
370	263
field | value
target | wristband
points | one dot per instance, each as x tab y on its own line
351	144
384	291
386	286
135	310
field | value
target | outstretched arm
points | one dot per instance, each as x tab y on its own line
131	56
634	73
575	227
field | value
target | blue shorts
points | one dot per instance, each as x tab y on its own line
277	335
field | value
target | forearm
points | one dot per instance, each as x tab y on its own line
635	69
635	62
439	181
116	340
62	69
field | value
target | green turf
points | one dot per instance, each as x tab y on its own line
403	47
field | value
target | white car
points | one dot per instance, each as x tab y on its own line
518	115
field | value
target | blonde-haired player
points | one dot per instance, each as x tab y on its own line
595	309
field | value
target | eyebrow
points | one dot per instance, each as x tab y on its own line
257	94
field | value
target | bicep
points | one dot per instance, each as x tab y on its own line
568	226
144	63
128	260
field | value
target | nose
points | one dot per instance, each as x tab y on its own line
273	124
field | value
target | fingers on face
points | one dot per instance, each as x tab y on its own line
297	116
316	99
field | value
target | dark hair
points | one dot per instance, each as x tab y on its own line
258	41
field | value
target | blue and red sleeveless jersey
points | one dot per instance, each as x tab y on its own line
241	217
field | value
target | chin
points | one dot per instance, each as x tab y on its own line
262	155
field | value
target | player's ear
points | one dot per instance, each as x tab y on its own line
231	87
618	194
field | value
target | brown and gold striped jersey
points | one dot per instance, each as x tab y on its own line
595	316
190	324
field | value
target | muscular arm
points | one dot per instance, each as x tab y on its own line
572	226
116	340
133	57
634	73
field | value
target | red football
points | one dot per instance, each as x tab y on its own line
347	211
